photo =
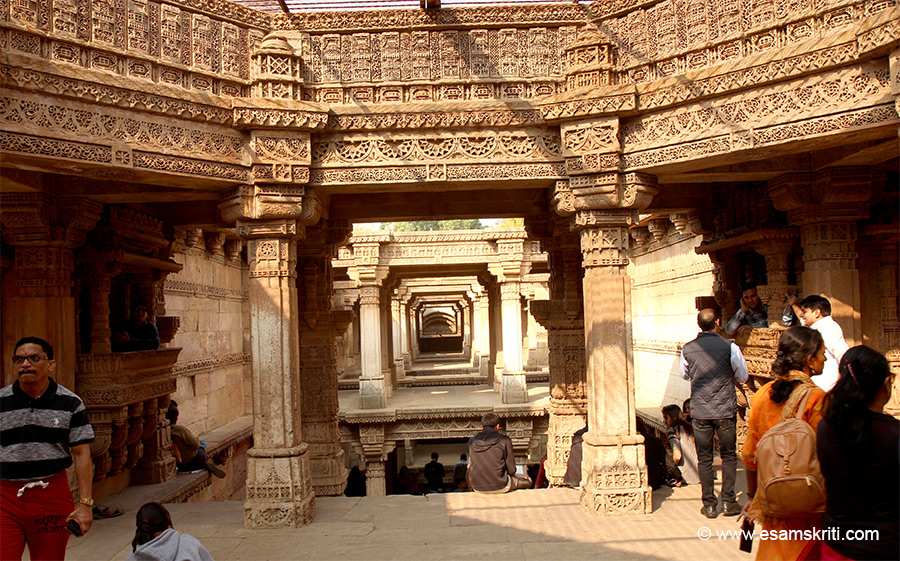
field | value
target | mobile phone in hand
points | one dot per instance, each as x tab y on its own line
74	528
746	536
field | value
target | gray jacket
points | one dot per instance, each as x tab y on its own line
713	364
171	546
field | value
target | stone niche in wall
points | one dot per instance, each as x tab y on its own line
127	257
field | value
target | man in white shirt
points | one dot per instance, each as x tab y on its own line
814	311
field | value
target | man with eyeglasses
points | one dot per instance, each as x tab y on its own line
43	426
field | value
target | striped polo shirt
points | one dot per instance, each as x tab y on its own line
36	434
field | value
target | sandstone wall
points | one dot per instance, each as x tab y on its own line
666	277
210	297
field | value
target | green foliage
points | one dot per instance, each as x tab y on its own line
512	223
431	225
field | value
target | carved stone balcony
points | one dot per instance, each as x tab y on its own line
127	395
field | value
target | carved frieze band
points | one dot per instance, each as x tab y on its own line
172	286
191	367
493	146
393	19
658	346
104	94
432	120
136	131
436	172
850	88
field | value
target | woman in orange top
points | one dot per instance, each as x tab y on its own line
801	355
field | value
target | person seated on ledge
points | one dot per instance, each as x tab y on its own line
137	333
492	465
190	454
753	311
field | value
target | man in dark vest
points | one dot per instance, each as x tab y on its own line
712	364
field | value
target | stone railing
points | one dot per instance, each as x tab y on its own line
127	395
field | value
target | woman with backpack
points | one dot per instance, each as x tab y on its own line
792	394
859	449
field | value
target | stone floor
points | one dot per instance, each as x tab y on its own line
523	525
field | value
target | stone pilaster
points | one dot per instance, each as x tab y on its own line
614	473
44	230
827	205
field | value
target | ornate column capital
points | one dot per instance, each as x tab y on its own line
613	190
831	194
604	238
274	202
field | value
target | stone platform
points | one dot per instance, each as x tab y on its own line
521	526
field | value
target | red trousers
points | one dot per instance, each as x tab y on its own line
37	518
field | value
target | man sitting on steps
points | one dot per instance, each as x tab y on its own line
492	465
190	455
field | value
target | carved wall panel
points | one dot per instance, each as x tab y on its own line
678	36
172	43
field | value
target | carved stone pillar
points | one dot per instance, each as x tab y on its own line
396	336
777	253
563	318
371	437
614	472
827	206
44	230
372	391
512	386
319	327
279	490
272	218
481	333
404	333
157	464
883	240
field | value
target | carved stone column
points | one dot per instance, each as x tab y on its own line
827	206
562	316
883	240
279	489
404	332
319	327
614	472
396	336
481	333
777	253
44	230
512	386
372	391
272	218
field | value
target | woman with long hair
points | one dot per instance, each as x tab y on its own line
800	355
156	540
859	450
681	459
